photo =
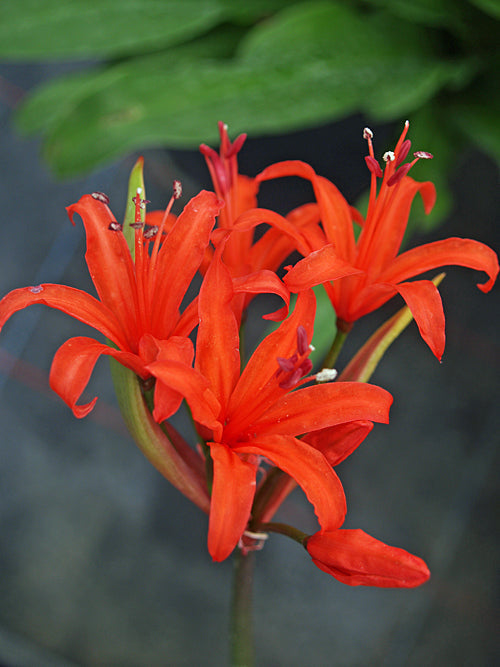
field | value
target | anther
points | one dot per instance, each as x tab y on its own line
177	189
100	196
424	155
115	226
140	202
151	232
388	156
373	166
367	133
403	151
36	289
326	375
302	344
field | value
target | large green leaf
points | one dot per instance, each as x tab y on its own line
313	62
32	29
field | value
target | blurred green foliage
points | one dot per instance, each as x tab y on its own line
168	70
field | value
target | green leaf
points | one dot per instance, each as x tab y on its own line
310	63
100	28
491	7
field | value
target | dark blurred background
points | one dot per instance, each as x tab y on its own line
103	563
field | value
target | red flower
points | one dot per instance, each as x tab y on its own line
377	271
247	258
261	412
138	305
355	558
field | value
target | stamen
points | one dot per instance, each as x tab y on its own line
100	196
326	375
256	536
177	189
36	289
367	133
374	166
403	152
302	343
424	155
388	156
298	365
399	174
115	226
151	232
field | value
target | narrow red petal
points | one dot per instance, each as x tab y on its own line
317	268
324	405
217	344
74	302
184	380
109	261
336	443
254	392
452	251
73	364
262	282
180	257
232	496
261	216
311	471
357	559
423	299
335	211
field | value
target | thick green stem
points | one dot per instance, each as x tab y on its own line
242	647
338	341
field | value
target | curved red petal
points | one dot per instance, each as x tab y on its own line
233	491
262	282
452	251
74	302
336	443
318	267
261	216
254	392
355	558
180	257
73	364
423	299
311	471
335	211
217	343
324	405
179	377
381	238
109	262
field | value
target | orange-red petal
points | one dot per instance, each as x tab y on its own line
74	302
355	558
233	491
73	364
423	299
452	251
311	471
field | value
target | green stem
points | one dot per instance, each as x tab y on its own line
343	329
242	649
284	529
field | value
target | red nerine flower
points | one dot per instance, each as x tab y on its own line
373	272
261	411
247	257
138	305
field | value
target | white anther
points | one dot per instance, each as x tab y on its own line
326	375
367	133
389	156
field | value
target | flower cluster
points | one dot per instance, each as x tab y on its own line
269	423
